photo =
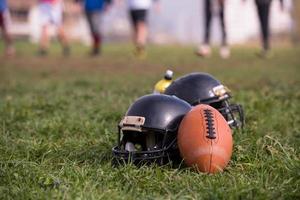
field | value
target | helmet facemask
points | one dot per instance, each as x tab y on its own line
233	113
147	133
142	145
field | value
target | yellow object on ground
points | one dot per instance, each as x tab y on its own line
163	84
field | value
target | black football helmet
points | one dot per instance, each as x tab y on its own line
148	131
202	88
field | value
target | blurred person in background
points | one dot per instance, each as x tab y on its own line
93	11
295	13
138	10
4	14
263	10
51	14
211	8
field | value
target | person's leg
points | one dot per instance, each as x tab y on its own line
63	39
44	20
141	28
266	26
207	21
139	19
134	21
204	49
94	20
263	14
224	51
9	49
44	40
222	22
57	20
142	33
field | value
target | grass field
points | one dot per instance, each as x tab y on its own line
58	123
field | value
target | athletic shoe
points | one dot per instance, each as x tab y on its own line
42	52
10	51
66	51
95	52
224	52
265	54
140	52
204	51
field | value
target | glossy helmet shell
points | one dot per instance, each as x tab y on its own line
157	116
160	111
196	88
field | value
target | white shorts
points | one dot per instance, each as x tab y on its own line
50	14
139	4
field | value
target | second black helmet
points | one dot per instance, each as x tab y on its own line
203	88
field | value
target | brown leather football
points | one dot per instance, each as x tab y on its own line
205	139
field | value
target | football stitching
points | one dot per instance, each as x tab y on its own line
210	126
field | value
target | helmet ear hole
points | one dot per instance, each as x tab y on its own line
134	138
217	105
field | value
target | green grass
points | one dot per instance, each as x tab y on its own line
58	123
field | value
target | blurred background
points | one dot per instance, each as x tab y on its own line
178	22
59	115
